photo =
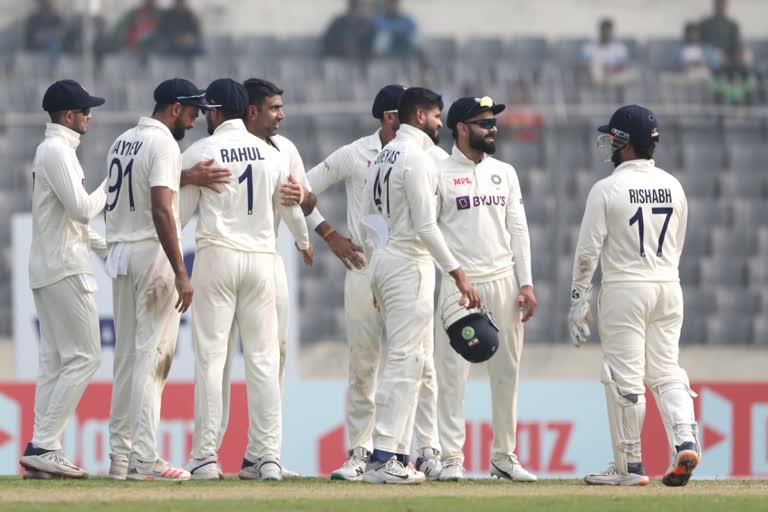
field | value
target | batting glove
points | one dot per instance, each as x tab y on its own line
579	316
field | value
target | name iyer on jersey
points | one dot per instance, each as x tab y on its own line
387	156
650	195
247	154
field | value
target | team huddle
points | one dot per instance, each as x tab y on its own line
410	207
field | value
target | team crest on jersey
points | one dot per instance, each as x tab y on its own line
496	179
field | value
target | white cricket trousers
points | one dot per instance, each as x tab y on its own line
146	328
283	308
404	288
236	287
69	354
639	326
500	297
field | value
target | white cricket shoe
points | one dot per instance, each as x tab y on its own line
53	462
32	474
290	475
249	470
270	469
453	471
612	477
354	467
205	469
156	470
118	466
510	468
392	472
429	463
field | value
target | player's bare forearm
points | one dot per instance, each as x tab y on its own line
347	251
309	203
205	174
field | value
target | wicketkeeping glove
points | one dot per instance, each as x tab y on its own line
579	316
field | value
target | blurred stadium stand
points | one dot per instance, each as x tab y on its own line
718	153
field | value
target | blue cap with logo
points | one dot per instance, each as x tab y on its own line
387	100
69	95
468	107
227	96
179	90
635	123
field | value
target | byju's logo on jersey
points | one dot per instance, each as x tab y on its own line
463	203
10	434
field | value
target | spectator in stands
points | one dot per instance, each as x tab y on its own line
608	60
179	31
737	83
396	32
697	61
137	29
719	31
350	35
521	119
44	29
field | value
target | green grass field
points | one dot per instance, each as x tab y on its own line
315	495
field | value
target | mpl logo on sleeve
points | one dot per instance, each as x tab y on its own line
10	435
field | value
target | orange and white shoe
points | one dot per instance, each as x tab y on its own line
680	472
156	470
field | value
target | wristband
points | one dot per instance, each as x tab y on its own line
328	234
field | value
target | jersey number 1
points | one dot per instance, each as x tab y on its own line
247	177
637	218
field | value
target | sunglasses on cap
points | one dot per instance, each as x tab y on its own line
486	124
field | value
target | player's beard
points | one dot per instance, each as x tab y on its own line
179	129
485	143
209	124
433	132
616	158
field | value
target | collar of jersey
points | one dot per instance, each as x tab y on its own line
71	137
148	121
461	158
230	125
409	132
640	164
373	141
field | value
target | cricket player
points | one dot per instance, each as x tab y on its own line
478	193
150	283
61	278
401	189
634	224
351	164
236	283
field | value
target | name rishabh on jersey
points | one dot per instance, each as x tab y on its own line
635	220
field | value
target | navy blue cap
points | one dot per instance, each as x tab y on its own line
227	96
468	107
387	99
69	95
179	90
637	122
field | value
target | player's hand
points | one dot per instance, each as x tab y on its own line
526	301
579	317
184	290
291	193
308	254
469	295
206	174
376	303
347	251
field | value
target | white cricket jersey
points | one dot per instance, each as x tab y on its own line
402	189
481	215
143	157
240	215
350	164
295	165
61	210
634	222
